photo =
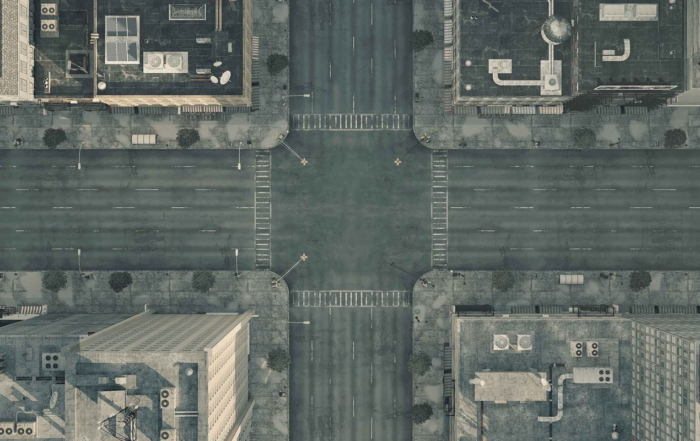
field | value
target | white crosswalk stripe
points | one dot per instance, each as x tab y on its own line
263	211
352	121
385	299
438	209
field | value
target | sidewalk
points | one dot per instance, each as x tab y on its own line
103	130
433	306
171	291
614	131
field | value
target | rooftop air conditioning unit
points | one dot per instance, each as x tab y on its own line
52	361
524	342
26	430
501	342
49	25
593	375
591	349
576	348
168	434
49	9
167	398
7	430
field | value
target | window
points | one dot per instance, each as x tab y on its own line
122	40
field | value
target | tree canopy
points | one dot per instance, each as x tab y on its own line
187	137
119	281
502	279
421	413
276	63
278	360
584	138
421	39
53	137
203	280
674	138
639	280
54	280
419	363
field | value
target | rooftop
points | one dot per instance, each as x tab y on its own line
511	410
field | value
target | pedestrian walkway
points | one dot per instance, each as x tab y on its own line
263	209
352	121
438	209
390	299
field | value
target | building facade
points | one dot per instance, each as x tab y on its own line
665	378
16	51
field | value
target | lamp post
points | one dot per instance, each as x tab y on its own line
240	143
281	140
422	280
79	270
305	322
80	147
425	138
276	281
237	274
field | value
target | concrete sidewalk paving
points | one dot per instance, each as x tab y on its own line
433	305
171	292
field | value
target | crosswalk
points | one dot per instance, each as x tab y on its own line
386	299
352	121
438	209
263	209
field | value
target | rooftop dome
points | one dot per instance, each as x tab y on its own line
556	30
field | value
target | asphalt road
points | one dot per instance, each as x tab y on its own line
140	209
349	374
351	210
579	210
353	56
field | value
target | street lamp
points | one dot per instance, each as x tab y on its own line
276	281
240	143
79	270
425	138
423	280
281	140
305	322
80	147
237	274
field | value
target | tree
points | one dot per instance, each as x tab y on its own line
674	138
276	63
187	137
53	137
421	39
203	280
639	280
502	280
278	360
419	363
421	413
54	280
120	281
584	138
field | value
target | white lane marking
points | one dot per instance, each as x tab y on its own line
521	249
63	166
122	208
641	249
8	166
62	208
642	166
483	189
22	231
312	353
207	231
694	208
604	189
62	249
664	189
580	249
85	189
353	349
461	166
371	13
579	208
146	189
371	318
459	208
353	406
7	208
330	69
642	208
204	189
523	208
371	427
544	189
182	166
581	166
146	231
243	208
371	66
371	373
664	231
179	208
543	231
487	231
8	249
26	189
353	39
524	166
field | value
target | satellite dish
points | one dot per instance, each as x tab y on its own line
54	399
189	372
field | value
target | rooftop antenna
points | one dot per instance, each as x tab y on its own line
129	421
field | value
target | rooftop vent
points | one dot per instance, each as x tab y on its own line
524	342
501	342
576	348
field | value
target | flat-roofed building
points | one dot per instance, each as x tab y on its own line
16	51
32	371
161	376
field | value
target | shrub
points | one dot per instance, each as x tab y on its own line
187	137
278	360
421	39
502	280
674	138
584	138
54	280
639	280
276	63
53	137
419	363
120	281
203	280
421	413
